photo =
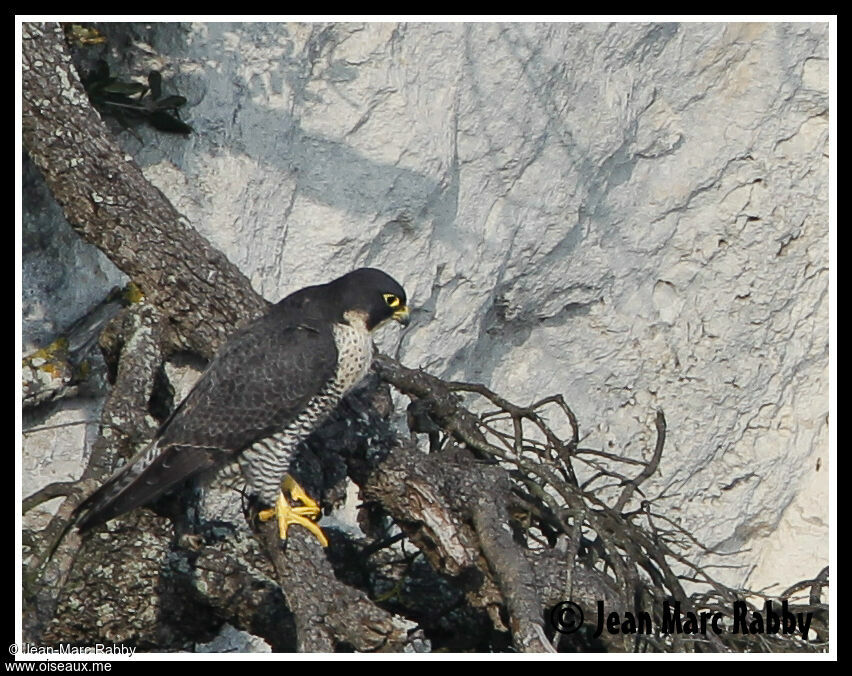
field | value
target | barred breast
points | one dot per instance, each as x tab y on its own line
266	462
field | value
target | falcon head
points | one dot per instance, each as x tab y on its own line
371	295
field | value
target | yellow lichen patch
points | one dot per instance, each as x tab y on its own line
43	357
54	369
132	293
84	35
44	367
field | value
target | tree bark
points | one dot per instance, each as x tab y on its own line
107	199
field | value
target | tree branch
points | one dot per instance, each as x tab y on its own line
108	201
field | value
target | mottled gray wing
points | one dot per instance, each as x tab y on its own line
260	380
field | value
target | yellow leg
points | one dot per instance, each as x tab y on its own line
304	514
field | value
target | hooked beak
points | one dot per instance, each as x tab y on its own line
403	316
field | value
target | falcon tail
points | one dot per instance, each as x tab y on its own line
147	476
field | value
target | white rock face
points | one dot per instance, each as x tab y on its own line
232	640
634	215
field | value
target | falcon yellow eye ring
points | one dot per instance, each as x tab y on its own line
391	299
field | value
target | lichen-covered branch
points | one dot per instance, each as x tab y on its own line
54	550
329	617
108	201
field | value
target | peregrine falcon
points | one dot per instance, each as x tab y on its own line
269	386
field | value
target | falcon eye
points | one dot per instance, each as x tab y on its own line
391	300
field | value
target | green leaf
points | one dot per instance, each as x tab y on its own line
165	122
155	81
171	102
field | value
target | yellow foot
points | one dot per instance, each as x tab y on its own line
287	515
